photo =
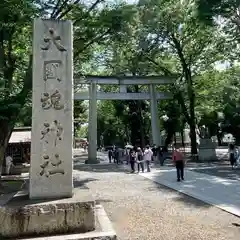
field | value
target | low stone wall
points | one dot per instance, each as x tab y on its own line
56	217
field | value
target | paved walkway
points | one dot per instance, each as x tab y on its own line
220	192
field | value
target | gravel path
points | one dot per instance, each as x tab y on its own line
141	209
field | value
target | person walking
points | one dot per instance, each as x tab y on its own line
127	155
140	159
155	153
110	154
9	164
160	155
232	155
178	159
117	155
148	157
132	160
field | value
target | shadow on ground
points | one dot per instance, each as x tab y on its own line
180	197
81	158
222	171
100	168
82	183
100	201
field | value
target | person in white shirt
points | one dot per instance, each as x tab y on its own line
148	157
9	163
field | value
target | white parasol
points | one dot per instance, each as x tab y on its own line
128	146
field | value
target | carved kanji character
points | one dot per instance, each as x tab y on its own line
55	100
45	131
57	162
46	101
56	39
52	70
56	170
44	171
47	172
59	131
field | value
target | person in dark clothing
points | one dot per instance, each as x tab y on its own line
140	159
232	155
160	154
163	154
114	156
117	155
110	153
155	153
132	160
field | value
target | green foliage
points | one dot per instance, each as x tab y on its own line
82	132
92	25
110	127
207	9
231	103
224	14
149	38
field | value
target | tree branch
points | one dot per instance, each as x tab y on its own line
179	51
162	68
94	5
60	9
70	7
91	42
89	10
55	9
181	102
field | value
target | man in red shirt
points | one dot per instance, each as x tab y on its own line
178	160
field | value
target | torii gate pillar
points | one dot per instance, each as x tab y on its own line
156	138
92	125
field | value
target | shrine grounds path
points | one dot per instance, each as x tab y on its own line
142	209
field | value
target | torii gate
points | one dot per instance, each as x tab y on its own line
93	95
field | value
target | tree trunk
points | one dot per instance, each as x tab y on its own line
175	138
182	137
142	130
192	124
5	133
2	154
193	139
186	67
169	138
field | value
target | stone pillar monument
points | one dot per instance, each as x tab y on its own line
92	124
52	114
207	148
154	116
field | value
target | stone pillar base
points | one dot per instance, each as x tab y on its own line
27	218
207	150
